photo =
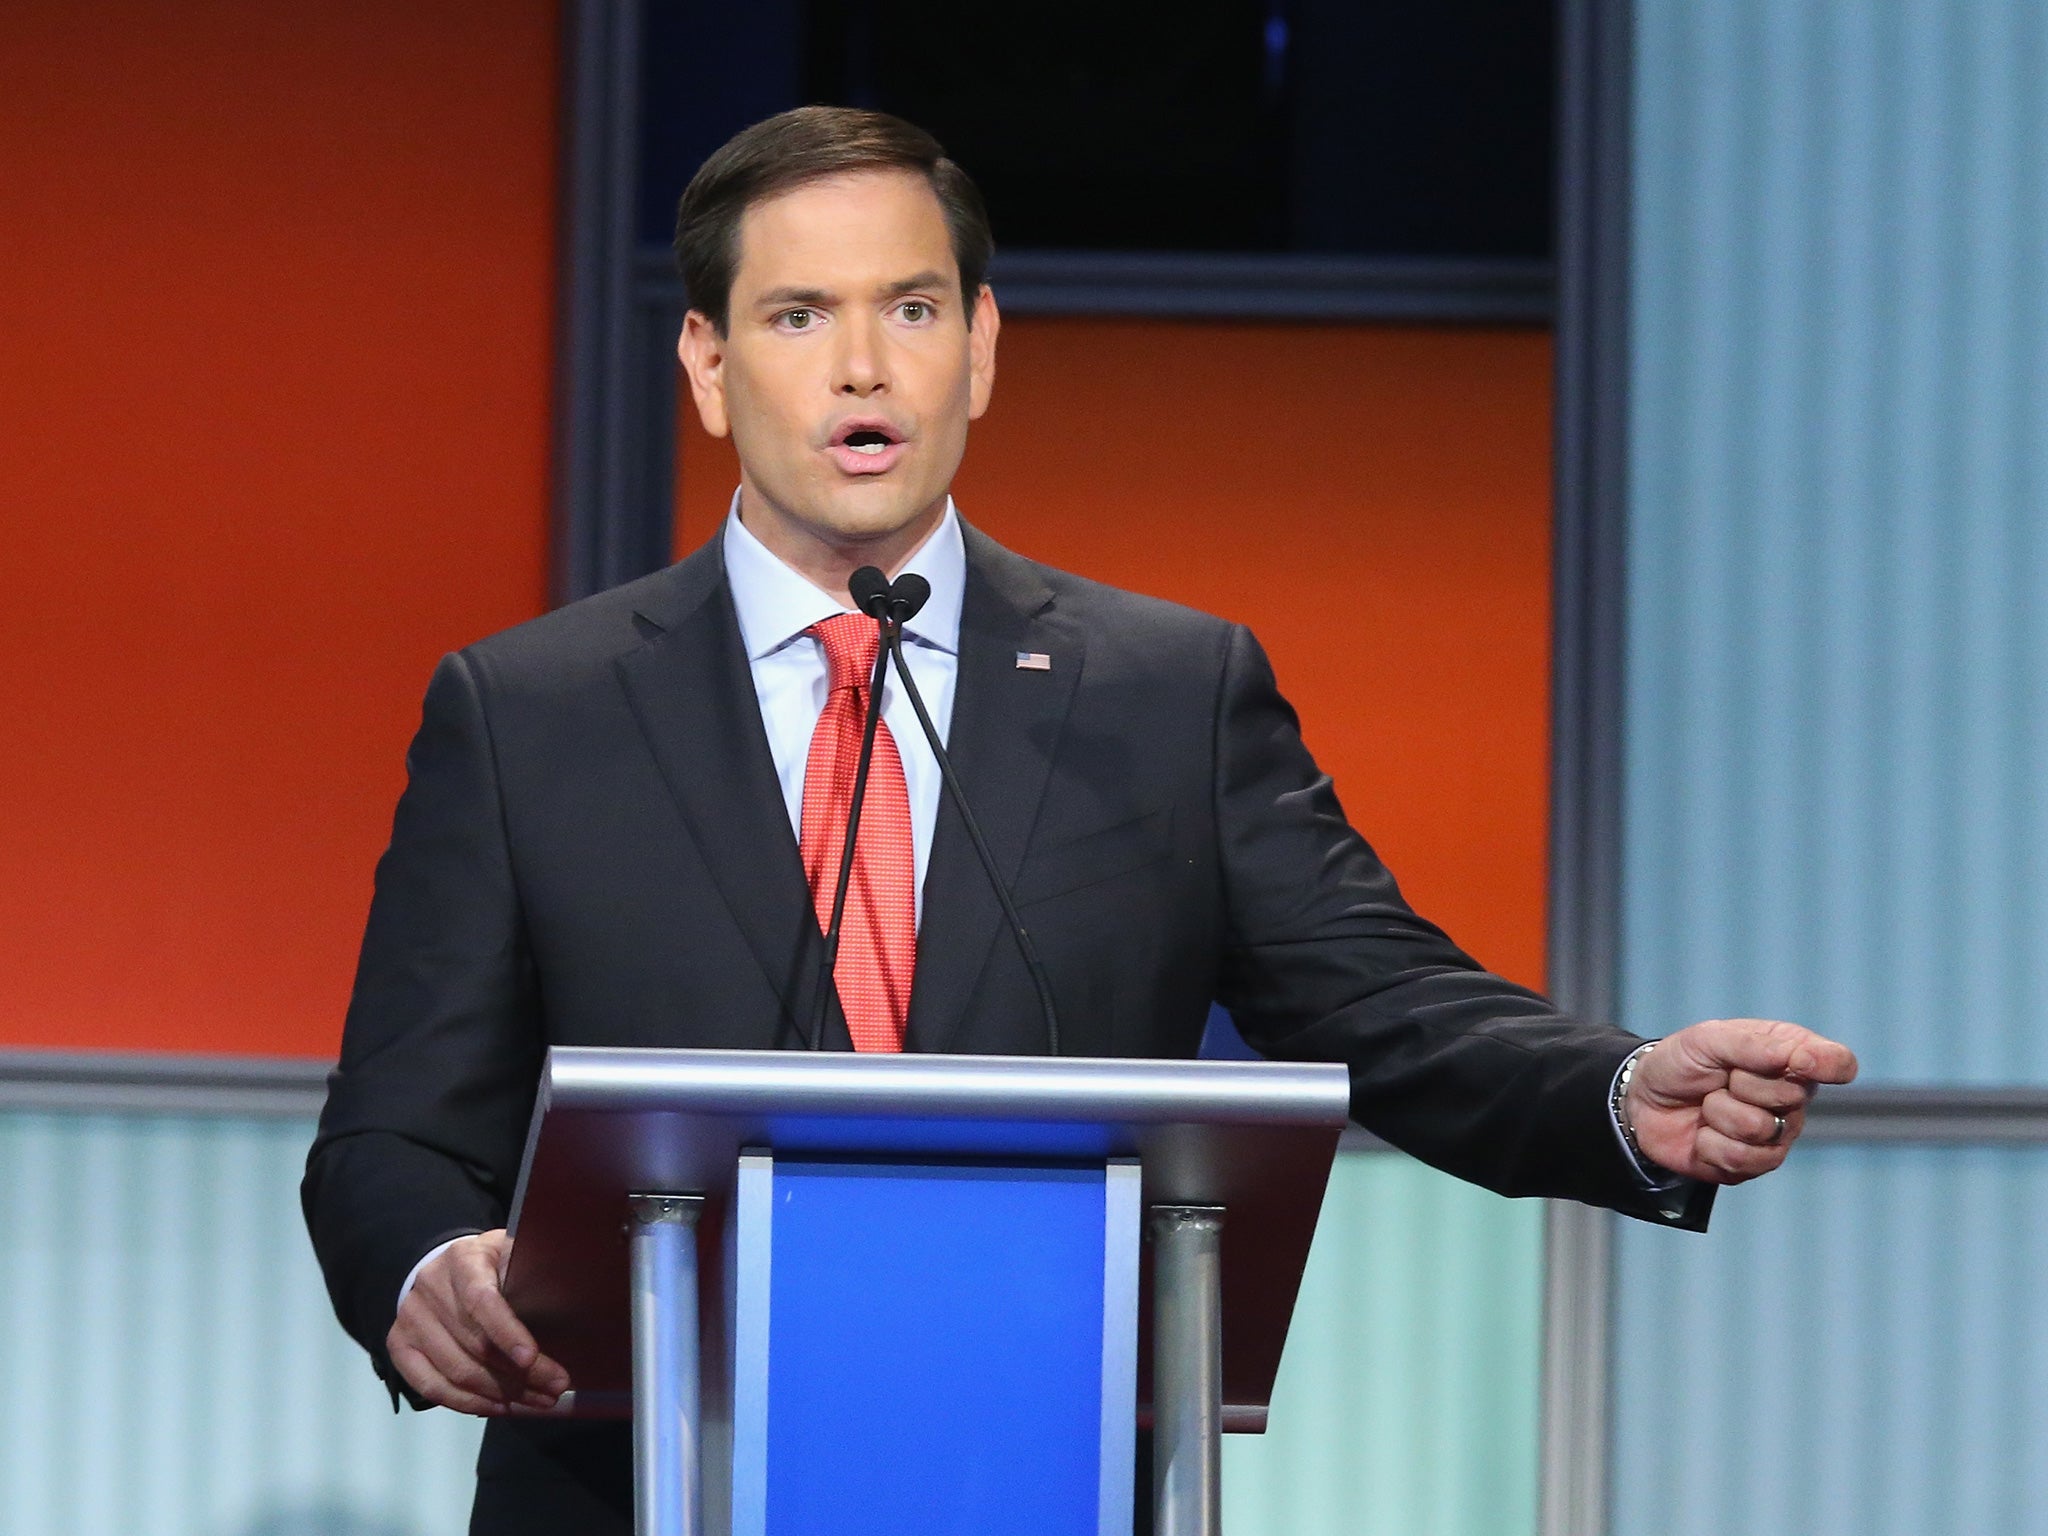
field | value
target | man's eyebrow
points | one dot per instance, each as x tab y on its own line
777	296
927	279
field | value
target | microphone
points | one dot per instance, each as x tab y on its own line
907	594
892	607
870	589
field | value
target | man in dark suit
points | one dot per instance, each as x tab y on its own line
619	819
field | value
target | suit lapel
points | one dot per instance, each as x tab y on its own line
692	694
1004	734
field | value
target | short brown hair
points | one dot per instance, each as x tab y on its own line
809	144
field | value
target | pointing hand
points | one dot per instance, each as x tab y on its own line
1723	1101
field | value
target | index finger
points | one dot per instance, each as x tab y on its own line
1821	1060
491	1312
1773	1048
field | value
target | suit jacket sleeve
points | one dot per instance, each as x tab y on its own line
441	1050
1323	960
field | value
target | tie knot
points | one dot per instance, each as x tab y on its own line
850	641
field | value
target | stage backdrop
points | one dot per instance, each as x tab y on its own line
278	297
277	291
1838	662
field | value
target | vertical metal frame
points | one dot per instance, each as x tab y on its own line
1122	1239
1596	53
614	368
750	1232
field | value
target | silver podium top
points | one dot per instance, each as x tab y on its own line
1255	1138
918	1086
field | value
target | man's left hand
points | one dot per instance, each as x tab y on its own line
1723	1101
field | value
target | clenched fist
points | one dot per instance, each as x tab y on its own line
1723	1101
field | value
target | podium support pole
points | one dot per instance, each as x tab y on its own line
667	1412
1187	1370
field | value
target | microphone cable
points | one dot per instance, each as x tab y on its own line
892	607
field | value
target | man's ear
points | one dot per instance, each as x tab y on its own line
981	352
702	351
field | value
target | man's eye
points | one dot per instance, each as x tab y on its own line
915	311
798	319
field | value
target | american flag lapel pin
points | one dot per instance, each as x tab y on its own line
1033	661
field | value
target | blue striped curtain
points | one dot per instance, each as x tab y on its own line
1837	712
1407	1398
1859	1347
1837	742
173	1366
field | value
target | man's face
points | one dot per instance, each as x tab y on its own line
848	371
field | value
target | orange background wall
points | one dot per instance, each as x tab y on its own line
275	306
1373	501
275	298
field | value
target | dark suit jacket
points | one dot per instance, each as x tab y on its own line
593	849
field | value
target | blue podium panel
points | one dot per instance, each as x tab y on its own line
936	1350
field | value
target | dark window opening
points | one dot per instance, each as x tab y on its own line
1329	127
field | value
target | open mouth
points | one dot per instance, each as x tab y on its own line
866	439
866	446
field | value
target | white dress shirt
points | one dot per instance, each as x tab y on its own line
791	679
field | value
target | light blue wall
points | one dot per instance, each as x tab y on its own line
1836	801
1859	1347
1406	1404
1837	709
171	1364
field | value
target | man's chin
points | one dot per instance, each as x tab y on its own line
862	517
877	524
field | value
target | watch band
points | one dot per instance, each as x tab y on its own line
1618	1104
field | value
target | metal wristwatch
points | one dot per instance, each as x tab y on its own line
1618	1101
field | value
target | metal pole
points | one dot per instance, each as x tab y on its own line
1595	139
667	1415
1187	1370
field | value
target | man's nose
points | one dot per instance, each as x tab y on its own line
863	367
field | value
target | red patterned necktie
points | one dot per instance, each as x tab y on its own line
878	934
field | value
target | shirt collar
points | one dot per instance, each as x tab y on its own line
776	605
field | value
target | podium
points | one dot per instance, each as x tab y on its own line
840	1294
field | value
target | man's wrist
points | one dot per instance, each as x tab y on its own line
1654	1175
412	1275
